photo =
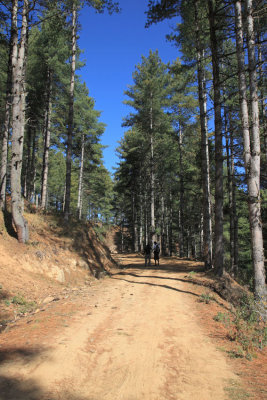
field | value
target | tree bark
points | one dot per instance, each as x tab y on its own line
141	222
79	203
254	167
181	203
47	135
170	242
202	96
251	147
152	175
230	198
263	118
218	231
18	122
235	216
162	227
135	222
70	117
12	55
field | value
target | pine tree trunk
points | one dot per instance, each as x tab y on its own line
152	176
254	167
18	122
30	170
201	236
141	244
135	229
122	236
202	96
70	117
235	216
170	243
263	117
27	178
47	135
218	231
162	227
4	156
141	226
181	203
12	54
79	203
251	154
230	198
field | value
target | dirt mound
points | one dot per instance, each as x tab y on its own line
58	255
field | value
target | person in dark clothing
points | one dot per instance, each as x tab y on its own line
156	250
147	250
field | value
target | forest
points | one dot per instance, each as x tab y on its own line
193	158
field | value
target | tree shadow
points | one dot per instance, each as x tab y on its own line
117	241
153	277
4	314
15	388
86	244
153	284
17	353
8	224
184	268
192	282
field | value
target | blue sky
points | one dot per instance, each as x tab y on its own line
112	46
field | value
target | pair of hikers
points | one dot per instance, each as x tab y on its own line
156	251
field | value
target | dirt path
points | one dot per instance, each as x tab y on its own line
137	338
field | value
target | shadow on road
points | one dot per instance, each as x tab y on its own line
114	276
16	388
131	264
167	264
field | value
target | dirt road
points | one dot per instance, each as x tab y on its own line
137	338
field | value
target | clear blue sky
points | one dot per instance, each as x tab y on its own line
113	45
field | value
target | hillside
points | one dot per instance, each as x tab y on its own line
57	256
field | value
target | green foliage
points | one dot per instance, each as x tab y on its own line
206	298
235	391
245	328
160	150
24	306
56	180
101	5
191	274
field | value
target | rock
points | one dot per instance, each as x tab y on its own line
56	273
82	264
100	274
48	299
39	254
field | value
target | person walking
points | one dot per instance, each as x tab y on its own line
156	250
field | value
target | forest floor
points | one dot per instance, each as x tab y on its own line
139	334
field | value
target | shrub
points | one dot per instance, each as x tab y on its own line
206	298
245	328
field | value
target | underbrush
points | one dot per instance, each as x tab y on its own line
17	304
245	327
100	231
206	298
